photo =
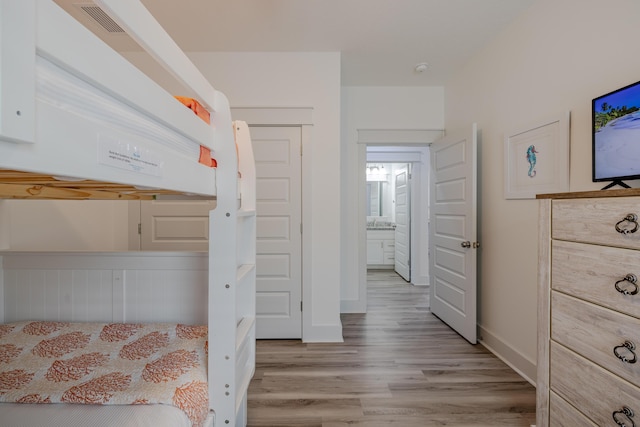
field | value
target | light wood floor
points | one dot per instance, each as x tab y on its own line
399	365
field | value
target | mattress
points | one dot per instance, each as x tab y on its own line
69	415
101	364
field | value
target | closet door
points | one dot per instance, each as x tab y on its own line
279	231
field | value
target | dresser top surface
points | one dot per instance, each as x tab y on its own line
627	192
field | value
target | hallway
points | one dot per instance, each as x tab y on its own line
398	365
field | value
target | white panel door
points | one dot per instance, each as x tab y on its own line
279	237
403	232
175	225
453	231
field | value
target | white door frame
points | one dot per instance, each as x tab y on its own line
380	137
300	117
414	155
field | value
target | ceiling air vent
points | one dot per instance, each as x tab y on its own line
100	17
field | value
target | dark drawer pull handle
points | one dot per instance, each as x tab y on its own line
630	349
626	414
629	218
629	278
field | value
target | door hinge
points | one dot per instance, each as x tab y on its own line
300	228
300	305
139	228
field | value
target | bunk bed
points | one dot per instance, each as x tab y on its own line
78	121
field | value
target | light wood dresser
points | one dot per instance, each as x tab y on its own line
589	309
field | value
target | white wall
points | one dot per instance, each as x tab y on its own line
414	108
69	225
555	58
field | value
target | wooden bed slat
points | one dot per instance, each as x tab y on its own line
24	185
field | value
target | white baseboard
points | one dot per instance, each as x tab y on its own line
353	306
525	367
323	333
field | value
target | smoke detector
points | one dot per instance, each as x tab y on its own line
421	67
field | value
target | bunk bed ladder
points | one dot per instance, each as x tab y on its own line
232	231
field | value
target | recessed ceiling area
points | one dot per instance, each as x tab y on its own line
381	41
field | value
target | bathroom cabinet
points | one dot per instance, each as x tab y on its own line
381	248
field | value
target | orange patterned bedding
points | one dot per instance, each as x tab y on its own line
98	363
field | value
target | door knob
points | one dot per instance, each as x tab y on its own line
468	244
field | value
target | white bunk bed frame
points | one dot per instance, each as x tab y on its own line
78	121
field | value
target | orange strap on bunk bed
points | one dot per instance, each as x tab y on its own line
205	157
200	111
196	107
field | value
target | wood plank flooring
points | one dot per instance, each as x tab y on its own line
398	366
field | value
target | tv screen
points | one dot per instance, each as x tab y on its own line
616	135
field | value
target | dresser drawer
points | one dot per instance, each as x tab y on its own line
595	332
561	414
594	221
590	272
592	390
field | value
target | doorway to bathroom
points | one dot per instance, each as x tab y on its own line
388	208
396	187
447	245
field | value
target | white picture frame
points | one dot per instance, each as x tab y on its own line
536	158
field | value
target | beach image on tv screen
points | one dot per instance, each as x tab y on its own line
617	134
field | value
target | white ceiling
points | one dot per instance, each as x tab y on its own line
380	41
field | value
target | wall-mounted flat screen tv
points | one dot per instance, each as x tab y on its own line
616	136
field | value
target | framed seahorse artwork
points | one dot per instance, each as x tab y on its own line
536	158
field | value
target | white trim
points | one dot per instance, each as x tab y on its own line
399	136
272	116
309	331
387	157
353	305
517	361
105	260
359	303
325	333
403	145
